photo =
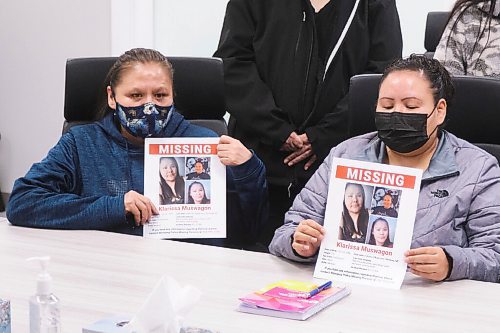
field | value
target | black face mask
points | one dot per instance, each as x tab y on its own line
402	132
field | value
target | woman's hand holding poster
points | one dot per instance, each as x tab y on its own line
369	220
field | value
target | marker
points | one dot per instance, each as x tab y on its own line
313	292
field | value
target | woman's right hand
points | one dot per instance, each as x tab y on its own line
139	206
307	238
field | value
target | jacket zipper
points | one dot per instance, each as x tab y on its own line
304	92
308	64
330	58
300	32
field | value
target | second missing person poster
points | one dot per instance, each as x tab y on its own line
369	220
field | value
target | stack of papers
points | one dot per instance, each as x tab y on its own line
288	299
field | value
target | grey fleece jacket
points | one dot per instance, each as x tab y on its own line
458	207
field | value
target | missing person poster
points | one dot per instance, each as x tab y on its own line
187	183
369	219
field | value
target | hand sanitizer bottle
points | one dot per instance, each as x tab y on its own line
44	306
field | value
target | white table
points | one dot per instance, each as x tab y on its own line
97	274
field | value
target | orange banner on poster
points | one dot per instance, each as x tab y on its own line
182	149
375	177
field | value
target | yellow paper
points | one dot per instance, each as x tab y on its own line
290	285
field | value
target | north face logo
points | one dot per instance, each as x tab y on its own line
440	193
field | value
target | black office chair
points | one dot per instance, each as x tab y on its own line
363	94
434	27
473	114
491	148
198	90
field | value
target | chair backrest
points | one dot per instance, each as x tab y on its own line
363	94
491	148
473	115
434	27
198	90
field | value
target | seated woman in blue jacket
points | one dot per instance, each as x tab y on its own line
94	177
457	226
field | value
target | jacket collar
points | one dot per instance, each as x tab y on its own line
443	163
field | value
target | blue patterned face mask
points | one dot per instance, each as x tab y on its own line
144	120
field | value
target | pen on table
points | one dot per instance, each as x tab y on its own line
318	290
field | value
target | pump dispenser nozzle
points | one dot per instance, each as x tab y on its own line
44	306
44	280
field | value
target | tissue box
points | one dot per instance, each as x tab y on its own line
109	325
195	330
4	316
115	325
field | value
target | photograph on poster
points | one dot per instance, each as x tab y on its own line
354	219
197	168
198	192
385	202
382	230
172	185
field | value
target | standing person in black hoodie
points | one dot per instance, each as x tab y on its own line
287	65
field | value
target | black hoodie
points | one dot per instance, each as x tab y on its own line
271	62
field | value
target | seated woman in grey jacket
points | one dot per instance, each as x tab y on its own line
457	226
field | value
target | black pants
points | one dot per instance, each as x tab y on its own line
280	201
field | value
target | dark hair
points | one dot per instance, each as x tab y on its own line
434	72
460	7
126	61
362	218
387	194
205	200
167	194
387	241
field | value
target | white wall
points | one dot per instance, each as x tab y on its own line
132	25
193	30
36	38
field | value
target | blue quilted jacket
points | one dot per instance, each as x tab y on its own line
82	181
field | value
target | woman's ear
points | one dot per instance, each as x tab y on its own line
441	108
111	98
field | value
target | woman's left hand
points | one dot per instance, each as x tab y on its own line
428	262
232	152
